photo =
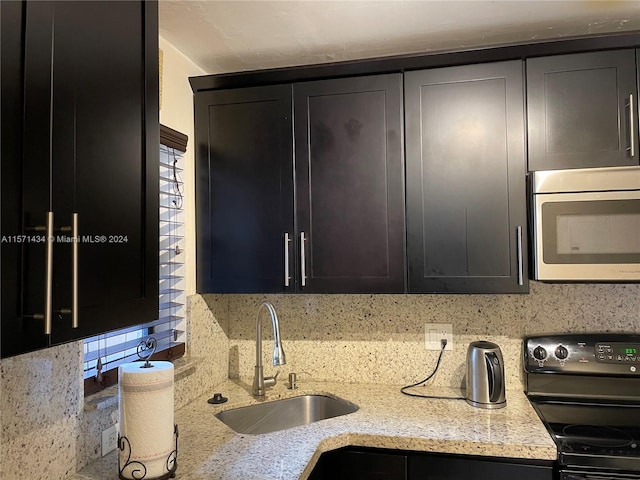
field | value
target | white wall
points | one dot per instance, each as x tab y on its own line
177	112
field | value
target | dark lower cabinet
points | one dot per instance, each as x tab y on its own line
79	141
456	467
349	184
466	199
583	110
356	463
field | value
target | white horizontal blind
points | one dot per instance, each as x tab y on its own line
117	347
172	254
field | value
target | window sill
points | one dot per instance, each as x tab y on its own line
108	398
110	377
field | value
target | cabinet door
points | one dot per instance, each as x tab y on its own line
88	127
244	190
349	184
352	464
105	141
579	110
450	467
20	333
466	204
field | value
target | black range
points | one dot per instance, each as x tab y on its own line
586	390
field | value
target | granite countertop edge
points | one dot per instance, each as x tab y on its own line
208	449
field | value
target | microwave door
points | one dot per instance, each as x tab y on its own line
588	236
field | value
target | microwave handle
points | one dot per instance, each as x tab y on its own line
632	121
519	249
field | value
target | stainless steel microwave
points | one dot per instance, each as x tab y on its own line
586	224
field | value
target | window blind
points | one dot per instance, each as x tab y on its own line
105	352
170	328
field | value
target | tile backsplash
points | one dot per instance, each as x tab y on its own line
41	407
380	338
47	433
548	307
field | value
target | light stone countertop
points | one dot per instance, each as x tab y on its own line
208	449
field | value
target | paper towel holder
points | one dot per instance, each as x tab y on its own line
137	468
145	350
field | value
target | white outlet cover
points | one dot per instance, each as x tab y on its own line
109	439
434	333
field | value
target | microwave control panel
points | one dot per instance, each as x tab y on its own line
600	354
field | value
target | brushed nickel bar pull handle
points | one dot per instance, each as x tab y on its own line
74	272
632	121
48	269
286	259
303	268
73	310
519	247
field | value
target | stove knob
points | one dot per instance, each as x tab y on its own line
561	352
539	353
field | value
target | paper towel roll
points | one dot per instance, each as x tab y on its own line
147	447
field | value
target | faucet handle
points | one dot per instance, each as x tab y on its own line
271	381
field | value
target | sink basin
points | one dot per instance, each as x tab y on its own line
280	414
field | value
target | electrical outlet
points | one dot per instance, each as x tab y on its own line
434	333
109	439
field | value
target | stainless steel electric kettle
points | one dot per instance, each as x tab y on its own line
485	376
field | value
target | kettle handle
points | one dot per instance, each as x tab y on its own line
496	380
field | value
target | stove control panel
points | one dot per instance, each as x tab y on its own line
617	352
587	353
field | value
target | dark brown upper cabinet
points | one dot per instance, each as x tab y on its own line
301	185
244	190
348	209
583	110
79	147
349	185
466	203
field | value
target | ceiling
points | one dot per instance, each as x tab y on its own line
234	35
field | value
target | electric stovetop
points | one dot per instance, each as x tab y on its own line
586	390
597	435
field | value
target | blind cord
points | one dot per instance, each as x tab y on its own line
177	181
173	238
405	388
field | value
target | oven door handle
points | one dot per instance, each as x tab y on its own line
596	476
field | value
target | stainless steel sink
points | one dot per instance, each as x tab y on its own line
280	414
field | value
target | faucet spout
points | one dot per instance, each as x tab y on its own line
278	352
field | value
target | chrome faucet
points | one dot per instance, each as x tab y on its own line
259	381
